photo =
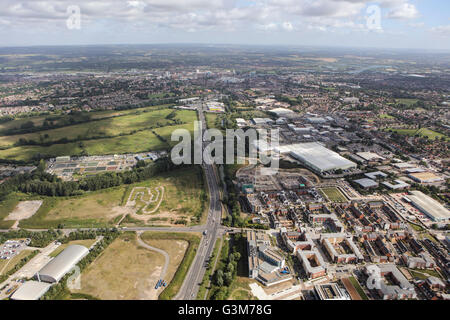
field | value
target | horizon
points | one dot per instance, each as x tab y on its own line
238	45
395	24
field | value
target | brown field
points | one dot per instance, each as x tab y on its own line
351	289
127	271
24	210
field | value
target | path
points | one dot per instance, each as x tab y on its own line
164	253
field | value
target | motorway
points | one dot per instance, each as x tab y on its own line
194	277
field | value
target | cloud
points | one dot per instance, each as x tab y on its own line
202	15
441	30
404	11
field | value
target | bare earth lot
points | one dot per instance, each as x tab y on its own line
128	271
24	210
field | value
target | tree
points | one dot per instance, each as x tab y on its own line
228	278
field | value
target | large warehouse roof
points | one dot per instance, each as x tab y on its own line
317	157
429	206
59	266
31	290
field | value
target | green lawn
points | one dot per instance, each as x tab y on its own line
422	132
334	194
408	102
358	288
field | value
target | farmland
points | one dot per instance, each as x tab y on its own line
122	132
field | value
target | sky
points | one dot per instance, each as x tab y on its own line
421	24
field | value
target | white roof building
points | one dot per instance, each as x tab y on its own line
317	157
31	290
56	268
429	206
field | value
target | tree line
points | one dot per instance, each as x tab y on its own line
42	183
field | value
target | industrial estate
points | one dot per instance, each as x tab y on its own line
93	207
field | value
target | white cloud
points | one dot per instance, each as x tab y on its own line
441	30
404	11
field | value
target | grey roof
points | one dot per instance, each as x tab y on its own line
374	175
429	206
54	270
31	290
366	183
399	184
317	156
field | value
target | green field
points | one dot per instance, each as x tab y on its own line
422	132
7	265
6	207
211	119
358	288
121	135
408	102
184	198
333	194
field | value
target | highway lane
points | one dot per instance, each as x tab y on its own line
191	284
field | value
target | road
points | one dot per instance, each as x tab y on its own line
194	277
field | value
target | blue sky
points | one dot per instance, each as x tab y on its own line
402	23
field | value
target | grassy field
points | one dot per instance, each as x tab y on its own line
211	119
120	134
240	289
423	274
182	198
408	102
6	207
6	265
334	194
87	243
193	239
94	209
422	132
124	271
183	194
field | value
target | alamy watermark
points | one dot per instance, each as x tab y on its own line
208	146
373	18
73	22
74	281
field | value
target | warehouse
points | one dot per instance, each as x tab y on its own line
425	177
56	269
281	112
366	183
433	209
317	157
31	290
399	184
